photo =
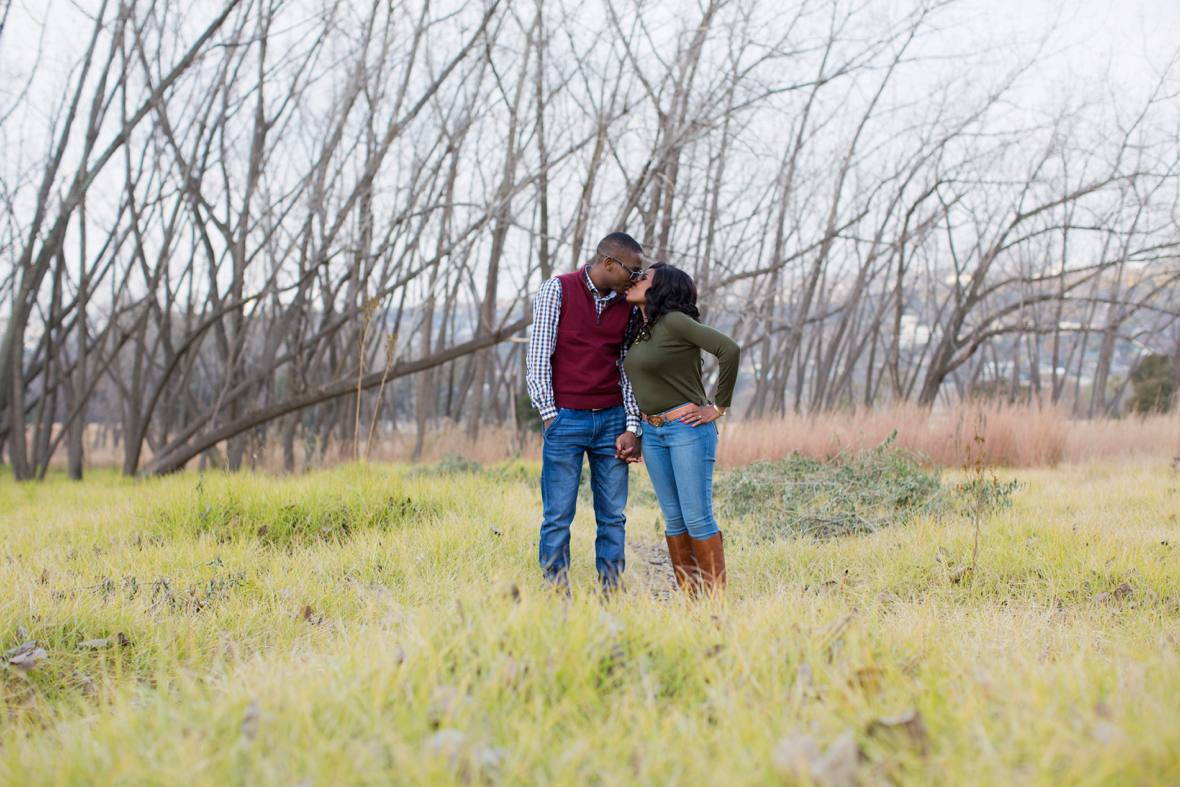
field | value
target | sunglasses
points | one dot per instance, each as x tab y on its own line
636	274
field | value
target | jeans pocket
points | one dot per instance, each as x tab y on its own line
553	424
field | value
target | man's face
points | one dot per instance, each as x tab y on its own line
623	270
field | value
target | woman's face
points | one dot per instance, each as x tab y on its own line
637	293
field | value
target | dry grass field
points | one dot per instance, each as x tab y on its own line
1014	436
385	624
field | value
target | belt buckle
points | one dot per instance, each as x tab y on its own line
656	420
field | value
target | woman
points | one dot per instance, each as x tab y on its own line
663	362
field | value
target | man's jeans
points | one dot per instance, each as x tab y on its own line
680	461
571	435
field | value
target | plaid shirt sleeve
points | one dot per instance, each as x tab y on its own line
630	406
539	376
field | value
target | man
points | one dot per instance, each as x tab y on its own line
576	382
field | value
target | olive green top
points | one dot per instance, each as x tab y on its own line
665	368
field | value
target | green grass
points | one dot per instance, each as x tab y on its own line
377	625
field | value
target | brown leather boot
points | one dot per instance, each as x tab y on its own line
683	563
710	555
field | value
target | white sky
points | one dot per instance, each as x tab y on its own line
1130	37
1132	40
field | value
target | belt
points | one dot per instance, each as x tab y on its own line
668	416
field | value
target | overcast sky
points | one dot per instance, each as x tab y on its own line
1132	40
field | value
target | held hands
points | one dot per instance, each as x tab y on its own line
699	416
627	448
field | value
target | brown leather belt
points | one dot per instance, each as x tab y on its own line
668	416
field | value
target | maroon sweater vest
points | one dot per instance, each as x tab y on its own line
586	356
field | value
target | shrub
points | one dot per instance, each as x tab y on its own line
1154	383
853	492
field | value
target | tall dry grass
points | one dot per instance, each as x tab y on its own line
1013	436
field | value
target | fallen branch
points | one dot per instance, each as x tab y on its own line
174	458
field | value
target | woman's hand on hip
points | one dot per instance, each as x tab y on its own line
699	416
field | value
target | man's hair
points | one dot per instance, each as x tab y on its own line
618	243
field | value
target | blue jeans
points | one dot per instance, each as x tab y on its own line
680	461
572	435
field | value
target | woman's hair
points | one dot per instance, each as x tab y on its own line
671	290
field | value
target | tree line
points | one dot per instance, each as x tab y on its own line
252	222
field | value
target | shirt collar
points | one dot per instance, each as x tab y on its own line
594	290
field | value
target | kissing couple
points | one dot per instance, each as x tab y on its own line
615	371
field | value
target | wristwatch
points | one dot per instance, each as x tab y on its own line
635	430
